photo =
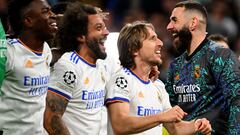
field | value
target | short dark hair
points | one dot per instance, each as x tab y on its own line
74	24
192	5
130	40
15	12
218	37
60	7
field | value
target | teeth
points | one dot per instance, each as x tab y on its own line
158	52
53	24
102	41
174	34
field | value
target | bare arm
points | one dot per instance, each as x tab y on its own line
55	107
122	123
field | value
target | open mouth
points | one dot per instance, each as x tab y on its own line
53	25
102	41
174	34
158	52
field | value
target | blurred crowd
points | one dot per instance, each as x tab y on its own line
224	19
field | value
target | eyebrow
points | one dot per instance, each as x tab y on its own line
98	24
152	36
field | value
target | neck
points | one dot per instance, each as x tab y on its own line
196	41
32	42
142	70
85	53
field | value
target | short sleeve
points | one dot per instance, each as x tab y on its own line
118	89
63	80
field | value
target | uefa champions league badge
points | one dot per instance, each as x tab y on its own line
69	77
121	82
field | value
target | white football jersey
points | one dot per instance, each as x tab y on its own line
144	98
24	89
112	58
83	84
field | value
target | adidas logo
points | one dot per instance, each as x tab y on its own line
140	94
28	64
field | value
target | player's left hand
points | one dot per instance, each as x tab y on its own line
154	73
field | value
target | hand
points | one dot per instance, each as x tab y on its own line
203	126
154	73
174	114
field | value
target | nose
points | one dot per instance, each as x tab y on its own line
105	31
169	26
160	42
52	15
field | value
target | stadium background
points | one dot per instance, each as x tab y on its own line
223	18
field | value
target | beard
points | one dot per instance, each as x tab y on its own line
184	42
93	45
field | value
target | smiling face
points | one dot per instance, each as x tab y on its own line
150	52
41	20
97	35
178	26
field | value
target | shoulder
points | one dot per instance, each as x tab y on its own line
121	77
66	64
67	59
177	61
217	50
159	83
46	46
160	86
13	43
124	73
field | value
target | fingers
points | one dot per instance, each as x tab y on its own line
174	114
179	112
203	126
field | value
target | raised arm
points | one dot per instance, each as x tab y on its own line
55	107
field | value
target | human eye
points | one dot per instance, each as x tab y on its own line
153	38
100	27
174	19
45	10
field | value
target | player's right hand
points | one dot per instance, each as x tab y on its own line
174	114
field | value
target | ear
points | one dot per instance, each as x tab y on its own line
193	24
81	39
135	53
28	22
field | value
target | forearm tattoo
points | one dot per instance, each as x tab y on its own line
56	106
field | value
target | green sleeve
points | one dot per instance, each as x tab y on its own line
3	58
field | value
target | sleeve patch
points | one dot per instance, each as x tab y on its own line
69	77
121	82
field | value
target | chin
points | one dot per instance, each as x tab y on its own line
160	62
156	63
